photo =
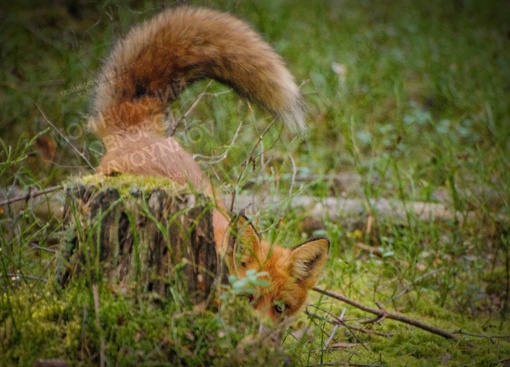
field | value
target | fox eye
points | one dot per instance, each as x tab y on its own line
279	308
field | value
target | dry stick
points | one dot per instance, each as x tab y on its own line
333	332
382	314
64	137
30	195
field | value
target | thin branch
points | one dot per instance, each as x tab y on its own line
415	281
462	332
350	327
30	195
339	321
371	332
217	159
333	332
64	137
247	161
37	247
191	108
382	313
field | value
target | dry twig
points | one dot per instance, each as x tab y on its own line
191	108
64	137
338	321
218	159
382	314
30	195
247	162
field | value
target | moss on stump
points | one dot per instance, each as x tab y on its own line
139	235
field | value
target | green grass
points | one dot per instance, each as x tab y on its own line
422	114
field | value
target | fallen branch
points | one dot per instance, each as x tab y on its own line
336	208
382	314
318	210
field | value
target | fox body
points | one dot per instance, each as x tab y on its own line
145	72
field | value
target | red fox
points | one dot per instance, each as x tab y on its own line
145	72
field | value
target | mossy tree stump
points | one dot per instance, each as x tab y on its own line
140	235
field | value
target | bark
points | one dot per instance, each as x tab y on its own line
155	240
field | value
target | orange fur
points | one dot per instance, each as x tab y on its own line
291	271
147	70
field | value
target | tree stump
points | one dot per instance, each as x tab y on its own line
140	235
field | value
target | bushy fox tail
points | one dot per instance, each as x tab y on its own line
159	58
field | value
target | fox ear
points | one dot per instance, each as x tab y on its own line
244	243
308	259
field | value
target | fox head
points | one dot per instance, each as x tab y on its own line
291	272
